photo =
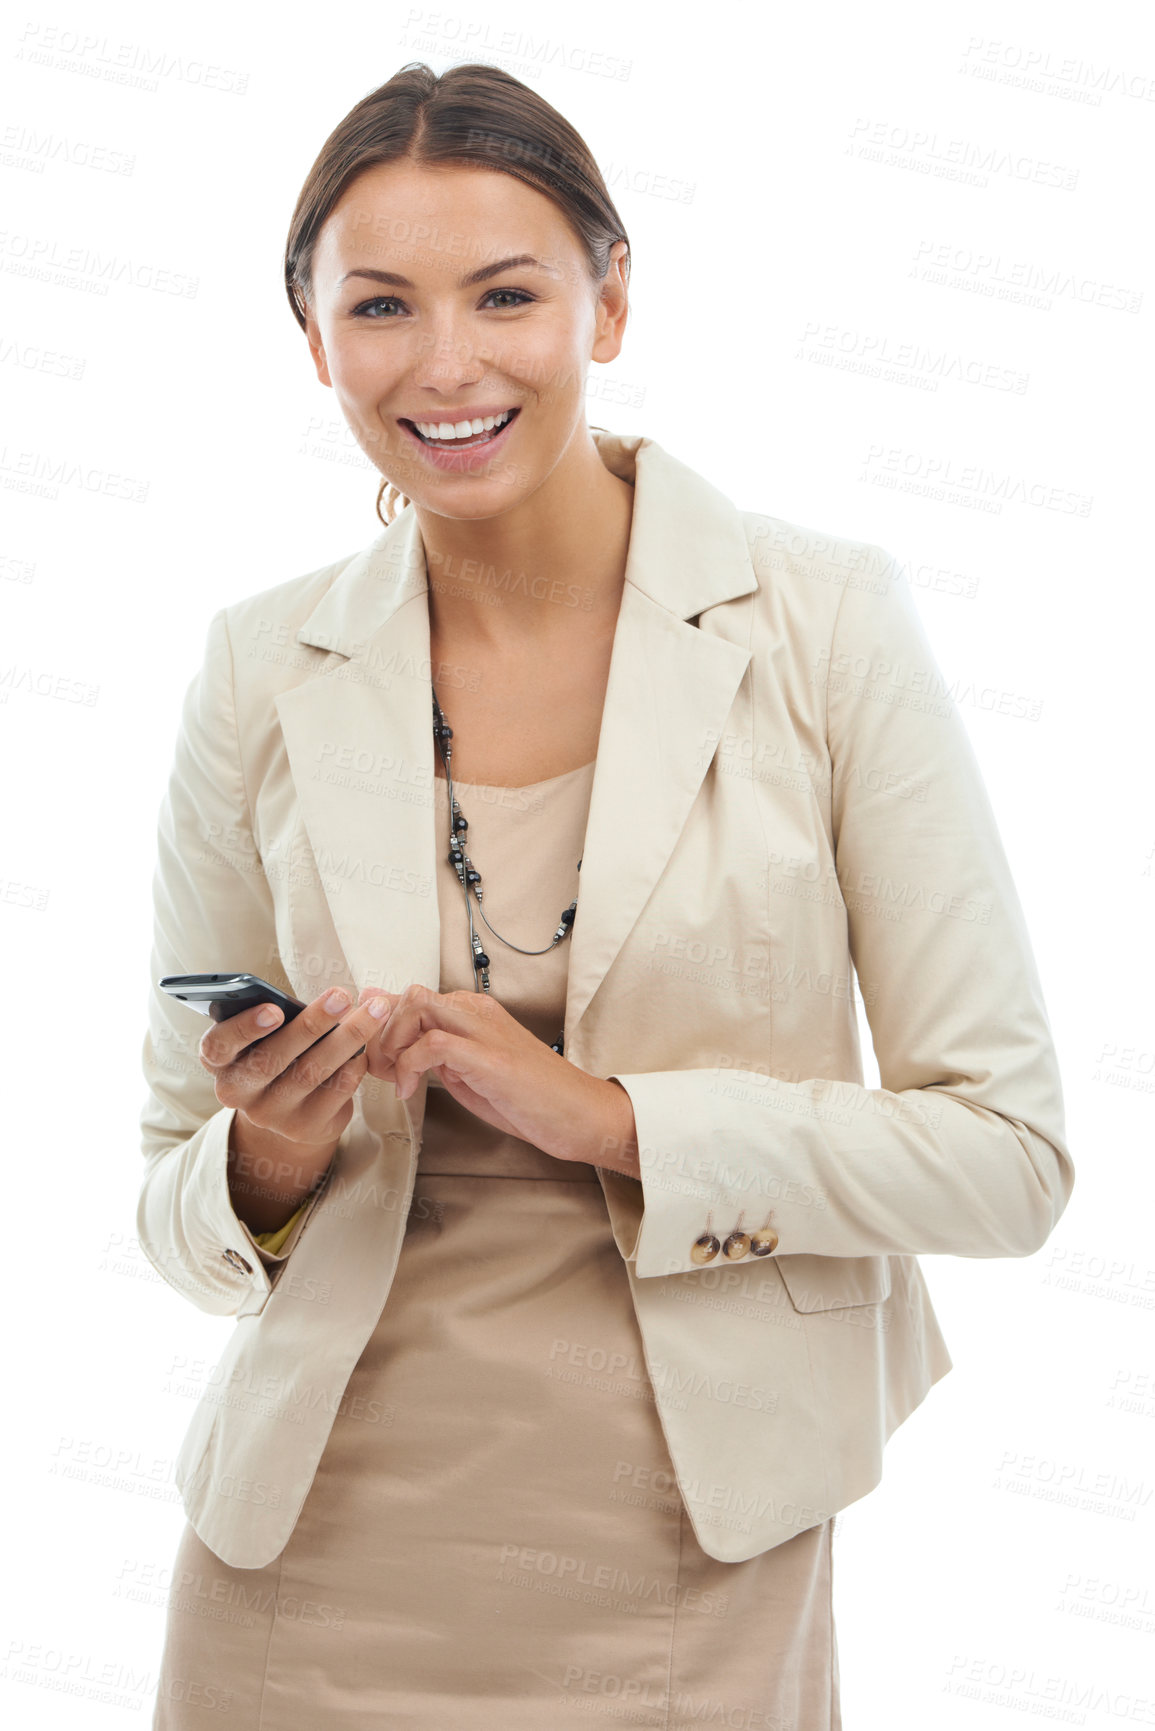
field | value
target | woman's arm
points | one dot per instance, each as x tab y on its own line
213	910
962	1150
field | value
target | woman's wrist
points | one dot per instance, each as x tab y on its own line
269	1176
617	1146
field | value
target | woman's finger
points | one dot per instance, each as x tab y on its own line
455	1010
420	1009
437	1047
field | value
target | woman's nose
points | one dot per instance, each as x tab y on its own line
445	357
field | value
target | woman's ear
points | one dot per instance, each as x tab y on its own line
613	305
316	347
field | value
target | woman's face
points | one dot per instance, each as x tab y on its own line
413	347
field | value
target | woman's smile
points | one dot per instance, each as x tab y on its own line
453	443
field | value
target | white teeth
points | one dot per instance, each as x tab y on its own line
446	430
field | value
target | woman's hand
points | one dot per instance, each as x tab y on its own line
297	1081
292	1086
503	1074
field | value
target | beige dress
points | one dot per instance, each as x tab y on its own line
495	1538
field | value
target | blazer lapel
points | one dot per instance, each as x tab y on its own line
360	743
669	692
360	747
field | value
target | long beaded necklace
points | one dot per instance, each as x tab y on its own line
469	877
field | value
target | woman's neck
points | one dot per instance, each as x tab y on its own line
553	568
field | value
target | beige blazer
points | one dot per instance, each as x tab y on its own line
785	812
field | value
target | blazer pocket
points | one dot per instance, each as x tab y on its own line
834	1282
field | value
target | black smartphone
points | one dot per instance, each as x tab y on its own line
223	995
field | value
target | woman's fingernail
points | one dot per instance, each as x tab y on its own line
379	1008
268	1017
336	1002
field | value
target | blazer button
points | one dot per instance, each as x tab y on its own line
237	1261
762	1243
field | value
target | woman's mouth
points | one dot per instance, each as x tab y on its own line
456	438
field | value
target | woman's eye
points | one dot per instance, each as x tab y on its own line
518	294
379	301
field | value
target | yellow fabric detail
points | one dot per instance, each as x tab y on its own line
272	1241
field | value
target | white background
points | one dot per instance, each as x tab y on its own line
852	228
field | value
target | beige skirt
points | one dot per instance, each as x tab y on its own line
495	1535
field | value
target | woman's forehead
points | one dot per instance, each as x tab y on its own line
445	222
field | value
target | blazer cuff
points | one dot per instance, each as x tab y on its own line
836	1169
679	1188
190	1231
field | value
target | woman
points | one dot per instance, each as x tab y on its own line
572	1303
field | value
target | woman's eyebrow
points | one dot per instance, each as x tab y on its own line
474	276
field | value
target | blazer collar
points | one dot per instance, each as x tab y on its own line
671	686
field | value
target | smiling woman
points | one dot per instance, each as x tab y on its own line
556	1352
507	269
417	191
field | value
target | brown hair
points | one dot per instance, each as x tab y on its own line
474	116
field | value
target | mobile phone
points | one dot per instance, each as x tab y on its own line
223	995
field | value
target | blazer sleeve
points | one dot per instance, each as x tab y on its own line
212	910
962	1149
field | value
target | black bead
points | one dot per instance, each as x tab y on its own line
481	959
567	918
460	825
473	876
